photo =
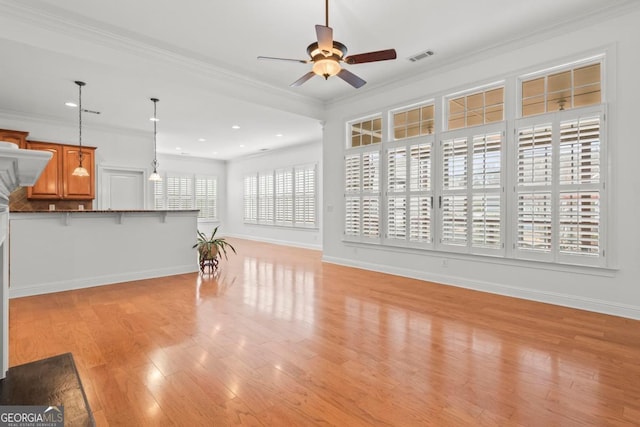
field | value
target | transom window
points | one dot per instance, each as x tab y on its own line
413	122
570	88
477	108
366	132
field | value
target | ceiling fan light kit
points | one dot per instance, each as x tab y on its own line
327	53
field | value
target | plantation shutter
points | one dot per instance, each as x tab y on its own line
362	195
486	206
420	195
397	193
250	198
371	194
305	196
179	192
534	185
454	199
265	198
159	201
284	196
560	187
579	187
206	197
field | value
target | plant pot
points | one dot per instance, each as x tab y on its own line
208	252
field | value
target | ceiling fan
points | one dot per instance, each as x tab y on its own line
327	53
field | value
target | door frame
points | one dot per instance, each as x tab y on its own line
103	169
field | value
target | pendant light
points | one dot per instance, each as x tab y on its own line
80	170
155	176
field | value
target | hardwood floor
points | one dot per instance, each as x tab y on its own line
280	339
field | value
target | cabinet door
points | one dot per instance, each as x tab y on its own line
78	187
15	136
48	185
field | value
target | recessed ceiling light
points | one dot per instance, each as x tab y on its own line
201	140
71	104
178	148
241	145
235	127
278	135
215	152
154	119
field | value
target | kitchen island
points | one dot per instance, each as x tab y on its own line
52	251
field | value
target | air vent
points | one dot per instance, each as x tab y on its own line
421	55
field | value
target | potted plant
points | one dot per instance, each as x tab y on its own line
210	248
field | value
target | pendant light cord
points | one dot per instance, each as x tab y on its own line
80	154
155	132
155	136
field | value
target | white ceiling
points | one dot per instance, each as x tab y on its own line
199	58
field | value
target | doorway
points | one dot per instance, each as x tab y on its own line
121	189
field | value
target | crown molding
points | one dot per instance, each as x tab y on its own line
64	122
41	16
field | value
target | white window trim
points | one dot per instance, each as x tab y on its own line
194	177
512	107
273	197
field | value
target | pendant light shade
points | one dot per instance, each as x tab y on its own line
155	176
80	170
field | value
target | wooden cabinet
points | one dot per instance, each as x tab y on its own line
15	136
57	180
77	187
48	186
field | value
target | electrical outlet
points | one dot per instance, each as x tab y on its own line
445	262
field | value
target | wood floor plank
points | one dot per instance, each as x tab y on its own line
278	338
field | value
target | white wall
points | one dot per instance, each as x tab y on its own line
287	157
615	290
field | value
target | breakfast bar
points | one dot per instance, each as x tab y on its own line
52	251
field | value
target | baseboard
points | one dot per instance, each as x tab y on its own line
565	300
277	241
47	288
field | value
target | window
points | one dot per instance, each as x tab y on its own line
207	197
366	132
477	108
251	199
559	186
305	196
562	90
409	200
265	198
464	184
181	191
414	122
285	197
471	200
362	194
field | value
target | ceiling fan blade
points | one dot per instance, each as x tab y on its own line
325	39
302	79
380	55
351	78
271	58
